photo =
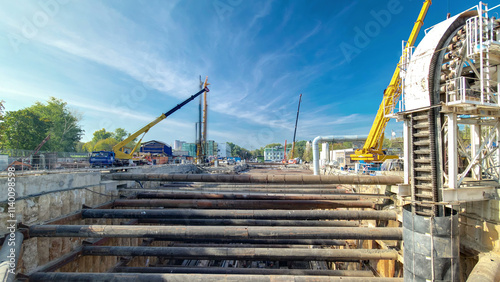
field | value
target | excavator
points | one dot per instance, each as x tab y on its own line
372	151
121	156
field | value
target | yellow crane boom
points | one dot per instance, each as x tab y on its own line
119	149
372	149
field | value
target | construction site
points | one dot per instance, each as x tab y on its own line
118	218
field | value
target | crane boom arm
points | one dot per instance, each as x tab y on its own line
118	149
372	149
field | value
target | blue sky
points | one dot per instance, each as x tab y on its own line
123	63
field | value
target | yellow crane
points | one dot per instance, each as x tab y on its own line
119	150
372	149
119	156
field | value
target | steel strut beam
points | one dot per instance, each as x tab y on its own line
317	242
232	270
250	222
147	277
271	179
250	196
291	254
241	214
207	232
245	190
244	204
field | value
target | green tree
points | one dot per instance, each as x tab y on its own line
120	134
394	143
307	156
65	131
2	109
79	147
2	125
24	129
273	145
237	151
300	147
105	144
101	134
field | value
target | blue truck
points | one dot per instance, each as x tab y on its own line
102	159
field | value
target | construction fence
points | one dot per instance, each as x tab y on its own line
26	160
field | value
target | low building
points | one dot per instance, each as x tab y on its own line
211	148
156	148
342	158
276	154
223	150
180	153
178	145
190	148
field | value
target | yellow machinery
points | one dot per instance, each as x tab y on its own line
119	149
372	149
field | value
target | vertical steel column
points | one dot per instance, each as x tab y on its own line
406	149
475	136
497	155
452	150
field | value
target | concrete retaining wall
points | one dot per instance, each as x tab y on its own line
31	185
40	198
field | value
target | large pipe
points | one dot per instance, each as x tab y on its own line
233	245
248	178
244	204
249	196
233	270
9	255
487	269
331	138
306	190
242	214
239	185
316	242
290	254
160	277
242	232
250	222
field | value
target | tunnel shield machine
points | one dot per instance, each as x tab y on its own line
450	84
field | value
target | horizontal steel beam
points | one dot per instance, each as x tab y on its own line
250	222
233	270
326	191
249	196
228	232
233	245
242	214
289	254
263	179
243	204
147	277
248	185
316	242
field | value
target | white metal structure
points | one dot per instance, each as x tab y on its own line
453	74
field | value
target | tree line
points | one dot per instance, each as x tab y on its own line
26	128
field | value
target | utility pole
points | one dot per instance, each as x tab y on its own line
204	139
